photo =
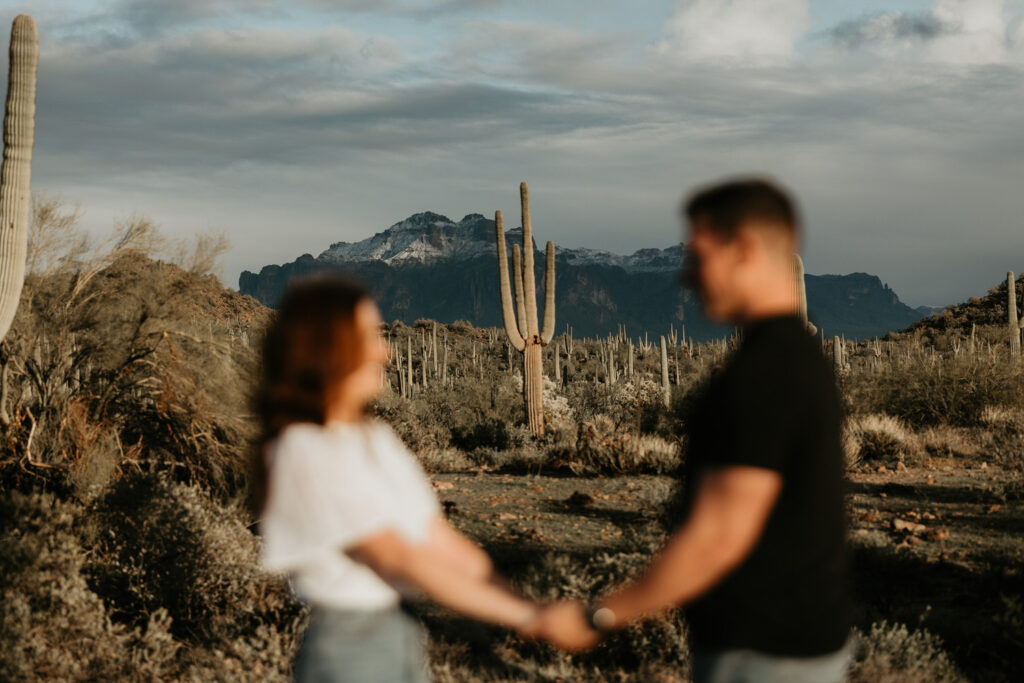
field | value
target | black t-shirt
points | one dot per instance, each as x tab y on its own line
775	405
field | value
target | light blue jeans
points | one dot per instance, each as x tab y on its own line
749	666
341	646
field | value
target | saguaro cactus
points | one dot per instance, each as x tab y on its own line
1012	323
801	288
666	390
527	338
16	172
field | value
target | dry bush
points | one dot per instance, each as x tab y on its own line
653	644
926	390
115	370
601	448
890	653
879	437
947	441
559	417
151	582
202	254
443	460
1003	418
152	539
51	625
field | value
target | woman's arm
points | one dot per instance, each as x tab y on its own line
464	556
429	567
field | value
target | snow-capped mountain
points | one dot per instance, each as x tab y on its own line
428	266
429	237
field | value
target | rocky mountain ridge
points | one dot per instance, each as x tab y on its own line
429	266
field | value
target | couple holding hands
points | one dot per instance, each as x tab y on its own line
757	559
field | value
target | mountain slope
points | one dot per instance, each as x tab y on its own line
429	266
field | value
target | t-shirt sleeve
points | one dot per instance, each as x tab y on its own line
318	501
757	413
410	482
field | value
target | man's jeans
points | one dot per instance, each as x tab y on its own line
748	666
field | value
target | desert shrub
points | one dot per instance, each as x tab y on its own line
462	327
489	433
1002	418
444	460
475	414
656	641
90	593
109	368
878	437
602	448
53	626
891	653
947	441
925	391
1004	440
160	545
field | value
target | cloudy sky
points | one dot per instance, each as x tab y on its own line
291	125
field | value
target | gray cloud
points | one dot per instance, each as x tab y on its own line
889	27
292	139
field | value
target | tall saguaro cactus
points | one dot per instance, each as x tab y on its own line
801	289
16	172
523	331
1011	314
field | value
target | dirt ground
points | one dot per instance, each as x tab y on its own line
939	546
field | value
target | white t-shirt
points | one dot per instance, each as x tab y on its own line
330	487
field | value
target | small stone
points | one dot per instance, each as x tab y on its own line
984	465
903	525
900	467
578	498
881	468
939	534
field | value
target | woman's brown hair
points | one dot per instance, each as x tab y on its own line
311	344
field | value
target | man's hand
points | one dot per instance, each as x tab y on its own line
564	625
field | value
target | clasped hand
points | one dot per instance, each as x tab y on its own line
563	624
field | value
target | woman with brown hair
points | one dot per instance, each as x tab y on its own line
346	509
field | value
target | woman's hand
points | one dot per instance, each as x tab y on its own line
564	625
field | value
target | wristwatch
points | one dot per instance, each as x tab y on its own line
601	619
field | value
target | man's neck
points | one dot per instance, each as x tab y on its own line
771	302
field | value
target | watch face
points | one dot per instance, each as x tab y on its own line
603	619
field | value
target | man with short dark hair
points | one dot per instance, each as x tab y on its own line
758	561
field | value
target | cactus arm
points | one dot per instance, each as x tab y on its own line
16	172
549	295
517	281
508	315
529	281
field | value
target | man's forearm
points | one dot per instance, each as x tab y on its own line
727	519
687	567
